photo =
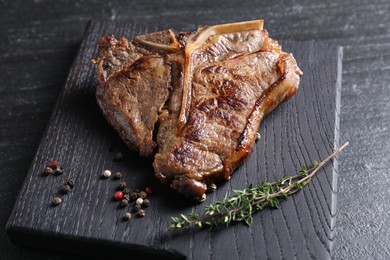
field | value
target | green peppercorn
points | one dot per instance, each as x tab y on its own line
127	216
145	203
124	203
57	201
65	189
142	195
122	185
118	175
48	170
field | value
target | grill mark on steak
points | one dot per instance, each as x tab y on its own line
199	96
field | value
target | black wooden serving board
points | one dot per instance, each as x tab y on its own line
90	222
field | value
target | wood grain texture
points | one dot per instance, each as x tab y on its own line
297	132
39	40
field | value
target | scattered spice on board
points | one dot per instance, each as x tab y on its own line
127	216
148	190
118	195
122	185
48	170
125	195
54	167
119	157
141	213
145	203
54	164
118	175
106	173
71	183
65	189
57	201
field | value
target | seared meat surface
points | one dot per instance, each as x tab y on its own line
206	91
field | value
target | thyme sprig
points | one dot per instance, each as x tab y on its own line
240	206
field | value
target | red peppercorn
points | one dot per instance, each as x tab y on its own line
118	195
148	190
54	164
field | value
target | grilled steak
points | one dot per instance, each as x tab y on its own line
206	92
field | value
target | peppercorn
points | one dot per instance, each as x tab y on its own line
65	189
122	185
212	187
71	183
127	216
126	196
59	170
124	203
145	203
47	171
201	198
118	175
142	195
139	201
126	190
54	164
148	190
141	213
137	190
133	196
137	207
258	136
106	173
119	156
118	195
57	201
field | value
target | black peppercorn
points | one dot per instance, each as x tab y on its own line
118	175
48	170
122	185
137	190
137	207
133	196
145	203
142	195
126	196
71	183
65	189
127	216
119	156
59	170
126	190
124	203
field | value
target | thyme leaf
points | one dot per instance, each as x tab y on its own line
242	204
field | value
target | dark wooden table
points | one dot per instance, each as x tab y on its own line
39	41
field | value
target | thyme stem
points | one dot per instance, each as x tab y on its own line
243	203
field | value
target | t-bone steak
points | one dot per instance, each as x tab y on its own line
193	100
